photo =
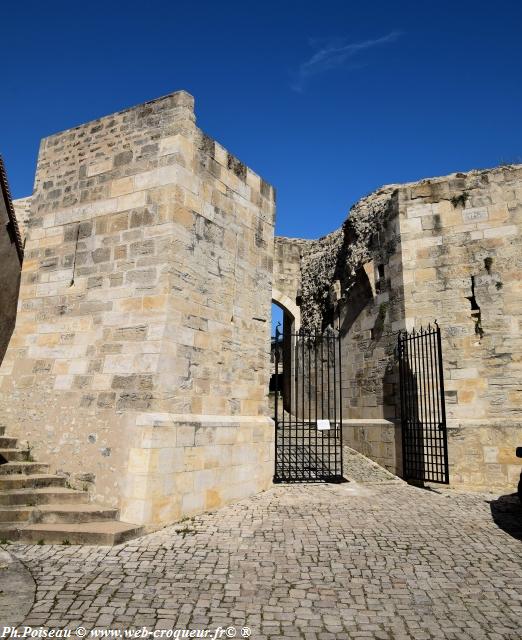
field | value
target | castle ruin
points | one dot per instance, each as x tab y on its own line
140	361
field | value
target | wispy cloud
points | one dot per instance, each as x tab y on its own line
335	53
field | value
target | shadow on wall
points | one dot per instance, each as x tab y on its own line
413	462
361	295
507	514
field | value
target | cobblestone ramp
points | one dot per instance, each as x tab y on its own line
359	468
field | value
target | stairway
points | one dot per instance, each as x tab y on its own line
36	507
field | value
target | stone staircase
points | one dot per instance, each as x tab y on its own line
36	507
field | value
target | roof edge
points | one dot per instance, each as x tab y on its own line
4	186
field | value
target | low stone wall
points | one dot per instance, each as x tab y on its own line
379	440
482	453
182	465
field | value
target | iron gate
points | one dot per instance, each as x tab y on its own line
308	407
423	410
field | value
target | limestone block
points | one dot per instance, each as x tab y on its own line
193	459
458	374
499	212
192	503
490	454
513	474
419	210
122	186
99	167
140	460
501	232
183	483
185	435
207	479
213	499
177	144
413	225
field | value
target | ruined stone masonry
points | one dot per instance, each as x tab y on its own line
139	366
445	249
139	361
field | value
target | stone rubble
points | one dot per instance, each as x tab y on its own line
341	252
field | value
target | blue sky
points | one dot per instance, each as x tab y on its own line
326	100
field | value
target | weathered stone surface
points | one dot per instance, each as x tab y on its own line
445	249
17	591
146	275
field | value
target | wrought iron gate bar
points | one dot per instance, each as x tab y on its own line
303	452
423	409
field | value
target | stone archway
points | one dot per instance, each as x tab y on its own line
291	325
289	307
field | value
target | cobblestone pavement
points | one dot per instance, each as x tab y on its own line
359	468
384	561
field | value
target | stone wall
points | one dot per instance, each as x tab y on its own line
348	280
461	248
369	276
447	249
286	290
377	439
144	314
22	209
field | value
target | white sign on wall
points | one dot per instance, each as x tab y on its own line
323	425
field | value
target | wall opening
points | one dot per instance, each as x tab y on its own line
286	322
277	317
277	323
475	310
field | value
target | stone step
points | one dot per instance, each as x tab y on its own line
17	513
20	468
36	507
13	455
71	513
95	533
54	513
9	531
22	481
42	495
8	443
